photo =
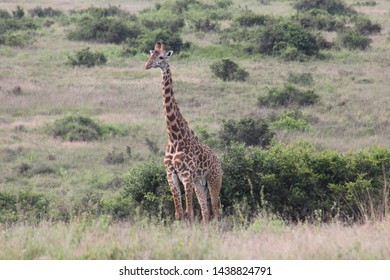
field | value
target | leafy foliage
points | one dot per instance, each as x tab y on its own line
45	12
249	18
87	58
252	132
288	96
80	128
17	31
25	206
330	6
352	39
294	181
104	29
228	70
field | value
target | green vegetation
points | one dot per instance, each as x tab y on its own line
288	96
252	132
79	128
228	70
87	58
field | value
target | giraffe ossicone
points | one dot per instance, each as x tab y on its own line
187	160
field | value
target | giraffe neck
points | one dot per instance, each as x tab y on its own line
177	126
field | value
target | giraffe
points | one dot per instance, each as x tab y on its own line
186	160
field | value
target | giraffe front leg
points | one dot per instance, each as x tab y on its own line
174	184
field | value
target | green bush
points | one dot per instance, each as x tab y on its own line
249	18
87	58
18	13
147	191
162	19
330	6
320	20
32	207
277	37
146	41
252	132
8	209
80	128
45	12
353	40
104	29
16	39
4	14
364	26
17	31
205	25
228	70
299	181
288	96
290	120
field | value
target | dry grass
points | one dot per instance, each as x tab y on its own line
142	240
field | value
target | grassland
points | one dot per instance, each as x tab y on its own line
37	87
264	239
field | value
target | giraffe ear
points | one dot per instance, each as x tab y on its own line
169	53
151	51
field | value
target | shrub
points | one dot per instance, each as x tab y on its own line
110	11
87	58
80	128
252	132
228	70
44	12
145	42
17	31
288	96
8	209
297	181
249	18
32	207
286	33
205	25
162	19
114	157
18	13
291	120
364	26
147	190
104	29
4	14
16	39
320	20
331	6
352	40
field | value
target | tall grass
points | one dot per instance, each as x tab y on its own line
264	239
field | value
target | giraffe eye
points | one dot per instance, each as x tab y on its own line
161	57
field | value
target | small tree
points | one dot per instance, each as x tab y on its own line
228	70
87	58
252	132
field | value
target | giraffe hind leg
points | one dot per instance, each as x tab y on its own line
214	186
201	194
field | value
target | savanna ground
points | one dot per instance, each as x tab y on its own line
37	87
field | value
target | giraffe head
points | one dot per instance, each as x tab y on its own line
158	56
